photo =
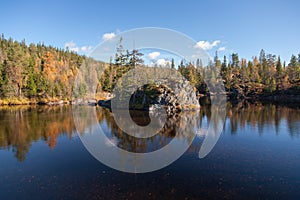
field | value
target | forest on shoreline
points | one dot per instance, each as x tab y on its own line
37	73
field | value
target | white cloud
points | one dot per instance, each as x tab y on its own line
86	49
206	45
162	62
108	36
72	46
222	49
153	55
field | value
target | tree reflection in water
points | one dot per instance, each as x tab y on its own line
21	126
262	115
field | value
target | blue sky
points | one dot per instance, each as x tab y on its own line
233	26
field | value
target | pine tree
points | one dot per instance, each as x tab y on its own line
235	68
199	63
172	64
265	72
121	58
13	69
244	72
216	60
250	67
262	56
293	69
192	74
134	58
225	73
31	87
279	73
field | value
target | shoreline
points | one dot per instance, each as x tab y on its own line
278	99
49	102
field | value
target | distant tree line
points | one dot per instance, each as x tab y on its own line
37	71
265	73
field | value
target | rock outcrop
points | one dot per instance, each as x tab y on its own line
152	97
150	88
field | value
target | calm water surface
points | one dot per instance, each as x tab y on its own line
257	155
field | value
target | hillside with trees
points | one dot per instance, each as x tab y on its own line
29	73
38	73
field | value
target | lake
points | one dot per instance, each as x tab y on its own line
256	156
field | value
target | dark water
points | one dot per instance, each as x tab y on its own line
257	156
